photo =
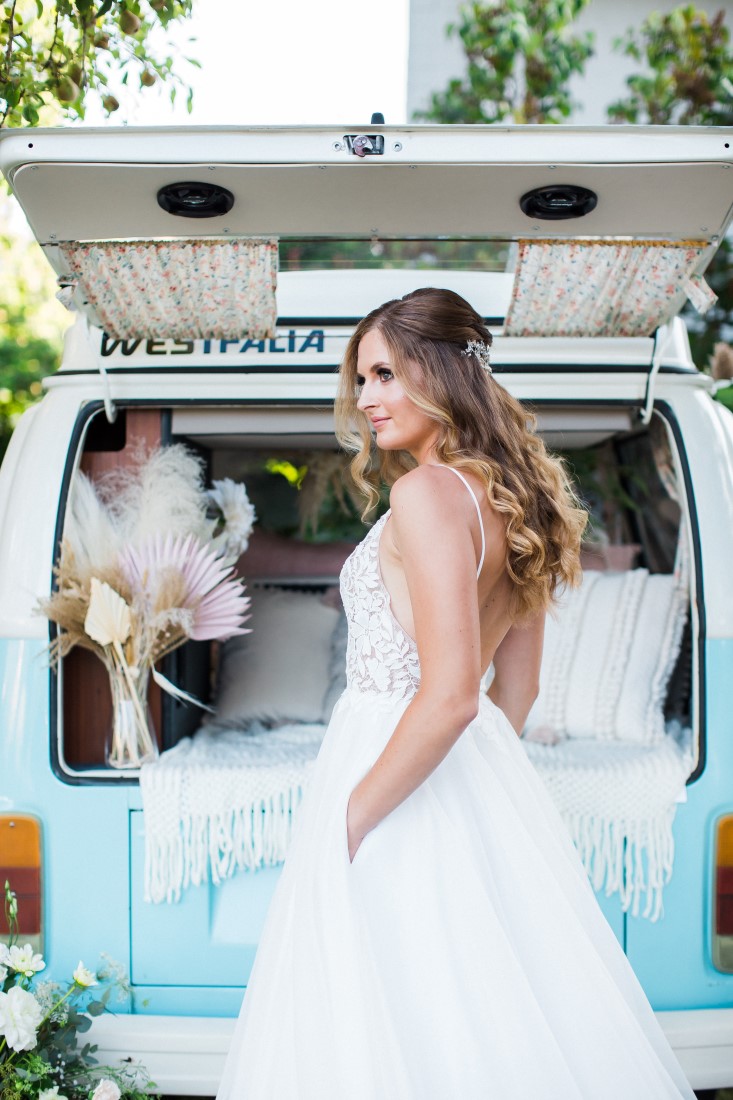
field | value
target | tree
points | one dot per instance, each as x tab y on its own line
520	56
688	70
31	324
54	55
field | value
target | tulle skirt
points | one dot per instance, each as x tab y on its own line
461	955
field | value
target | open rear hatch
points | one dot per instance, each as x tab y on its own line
165	233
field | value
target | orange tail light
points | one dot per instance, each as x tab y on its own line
20	866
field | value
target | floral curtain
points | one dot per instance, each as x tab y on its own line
603	288
183	289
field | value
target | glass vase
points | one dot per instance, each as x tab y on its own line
132	739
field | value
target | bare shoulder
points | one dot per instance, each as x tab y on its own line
425	489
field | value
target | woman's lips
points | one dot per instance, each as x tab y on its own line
377	420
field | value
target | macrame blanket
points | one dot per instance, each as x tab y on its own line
224	801
221	802
619	801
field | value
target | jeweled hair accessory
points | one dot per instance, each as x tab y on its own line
481	351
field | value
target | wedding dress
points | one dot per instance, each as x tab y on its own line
462	955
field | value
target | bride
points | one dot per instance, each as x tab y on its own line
433	934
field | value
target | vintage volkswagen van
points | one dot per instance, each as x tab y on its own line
579	247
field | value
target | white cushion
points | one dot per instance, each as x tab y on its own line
279	672
608	656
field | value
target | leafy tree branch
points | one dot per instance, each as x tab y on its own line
56	56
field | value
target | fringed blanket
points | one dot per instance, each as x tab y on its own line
221	802
224	801
619	802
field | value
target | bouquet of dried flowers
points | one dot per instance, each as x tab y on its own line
146	563
40	1056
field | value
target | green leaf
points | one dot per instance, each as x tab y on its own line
104	8
95	1008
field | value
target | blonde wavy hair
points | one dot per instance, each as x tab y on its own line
482	428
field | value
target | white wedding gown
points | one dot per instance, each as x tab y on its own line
462	955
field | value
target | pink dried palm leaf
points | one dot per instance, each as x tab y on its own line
216	600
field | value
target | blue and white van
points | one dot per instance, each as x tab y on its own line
580	247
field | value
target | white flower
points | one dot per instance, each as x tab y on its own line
4	958
106	1090
84	977
230	498
52	1094
25	961
20	1016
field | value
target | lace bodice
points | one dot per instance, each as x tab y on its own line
381	659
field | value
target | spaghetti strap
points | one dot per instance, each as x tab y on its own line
478	511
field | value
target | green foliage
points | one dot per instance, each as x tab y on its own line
31	323
520	56
54	55
688	70
57	1059
24	360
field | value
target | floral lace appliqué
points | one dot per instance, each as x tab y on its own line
381	659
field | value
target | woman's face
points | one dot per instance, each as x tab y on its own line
397	422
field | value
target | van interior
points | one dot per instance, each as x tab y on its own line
308	519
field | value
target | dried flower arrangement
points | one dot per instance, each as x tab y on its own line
146	563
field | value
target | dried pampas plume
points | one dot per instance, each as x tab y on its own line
325	471
162	490
721	362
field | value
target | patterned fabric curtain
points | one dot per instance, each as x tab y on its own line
603	288
181	289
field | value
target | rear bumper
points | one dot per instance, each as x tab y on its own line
185	1054
702	1039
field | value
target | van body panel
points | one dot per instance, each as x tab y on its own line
207	938
707	444
673	958
30	490
84	830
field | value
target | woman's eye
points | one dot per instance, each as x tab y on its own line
384	375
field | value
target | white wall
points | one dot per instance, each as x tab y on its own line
433	59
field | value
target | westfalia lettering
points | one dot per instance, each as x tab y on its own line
293	341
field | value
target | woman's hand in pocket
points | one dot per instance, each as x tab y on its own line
353	834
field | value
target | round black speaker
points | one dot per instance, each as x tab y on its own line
195	200
558	201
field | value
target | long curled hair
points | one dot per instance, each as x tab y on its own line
481	428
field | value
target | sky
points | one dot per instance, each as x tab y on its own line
276	62
284	61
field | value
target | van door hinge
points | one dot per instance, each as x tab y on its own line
660	338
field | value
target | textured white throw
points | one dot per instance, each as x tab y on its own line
219	802
222	801
619	801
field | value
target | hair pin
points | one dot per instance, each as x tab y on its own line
481	351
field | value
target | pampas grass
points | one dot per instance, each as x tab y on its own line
140	573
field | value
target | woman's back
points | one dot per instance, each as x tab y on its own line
494	586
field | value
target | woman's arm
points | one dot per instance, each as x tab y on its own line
431	528
517	670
